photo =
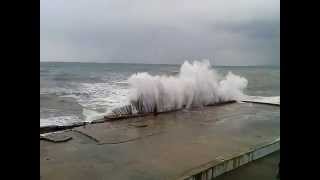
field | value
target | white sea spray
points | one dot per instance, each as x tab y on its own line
196	84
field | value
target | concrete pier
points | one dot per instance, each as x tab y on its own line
189	144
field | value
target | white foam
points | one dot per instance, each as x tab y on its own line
92	97
59	121
261	99
197	84
101	95
90	115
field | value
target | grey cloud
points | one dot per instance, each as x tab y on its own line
148	31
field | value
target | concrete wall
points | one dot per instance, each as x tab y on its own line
210	171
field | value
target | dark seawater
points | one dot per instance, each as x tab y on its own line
70	92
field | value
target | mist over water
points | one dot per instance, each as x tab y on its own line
196	84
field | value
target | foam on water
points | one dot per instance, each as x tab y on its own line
260	99
97	99
59	121
99	95
93	95
90	115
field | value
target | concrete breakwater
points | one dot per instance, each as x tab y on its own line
202	142
121	116
111	117
222	165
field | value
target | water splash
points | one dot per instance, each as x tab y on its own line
196	84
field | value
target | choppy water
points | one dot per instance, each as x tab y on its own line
71	92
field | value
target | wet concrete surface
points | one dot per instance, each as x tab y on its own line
165	146
265	168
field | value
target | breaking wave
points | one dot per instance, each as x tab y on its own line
196	84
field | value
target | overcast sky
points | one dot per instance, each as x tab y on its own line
228	32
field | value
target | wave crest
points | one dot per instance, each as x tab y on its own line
196	84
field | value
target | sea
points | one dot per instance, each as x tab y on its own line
72	92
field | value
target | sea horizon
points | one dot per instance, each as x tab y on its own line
141	63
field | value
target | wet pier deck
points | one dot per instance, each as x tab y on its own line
178	145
